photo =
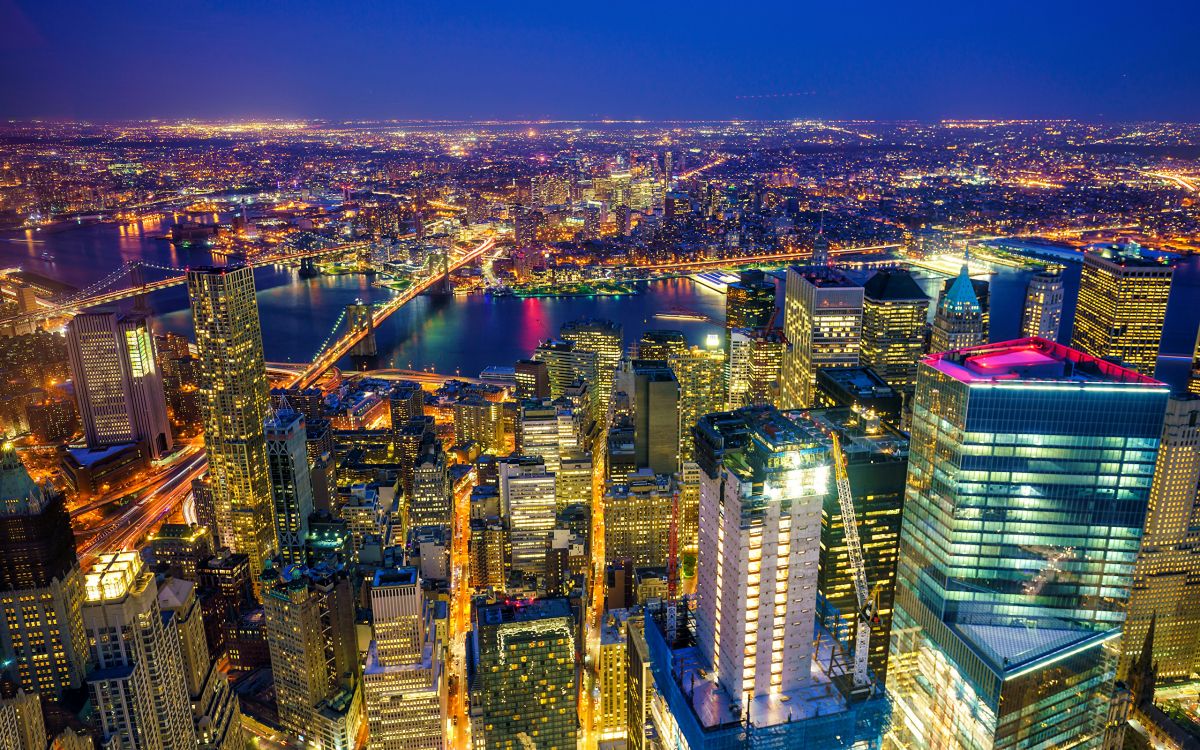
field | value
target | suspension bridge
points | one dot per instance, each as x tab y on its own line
338	345
112	289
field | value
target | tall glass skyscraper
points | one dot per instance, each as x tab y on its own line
235	402
1029	474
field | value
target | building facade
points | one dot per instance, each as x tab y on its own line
823	315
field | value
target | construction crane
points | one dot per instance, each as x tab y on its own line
867	608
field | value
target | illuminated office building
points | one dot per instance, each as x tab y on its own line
180	549
117	382
573	481
755	366
637	519
876	463
701	376
524	694
565	363
1042	316
479	421
612	675
401	677
1122	305
823	313
22	725
429	504
41	588
606	340
762	483
533	379
750	301
1030	471
136	679
529	503
235	402
655	416
1166	579
405	402
216	714
660	344
309	616
960	320
291	487
893	332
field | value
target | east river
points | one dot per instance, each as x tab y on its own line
465	334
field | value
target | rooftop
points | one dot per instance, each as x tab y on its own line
1031	360
824	278
858	381
524	611
1130	255
893	286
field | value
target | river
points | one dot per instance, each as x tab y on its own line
466	334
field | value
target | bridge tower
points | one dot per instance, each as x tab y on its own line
141	306
308	267
359	318
445	282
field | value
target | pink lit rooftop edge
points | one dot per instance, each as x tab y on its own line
1031	359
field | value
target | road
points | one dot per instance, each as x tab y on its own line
143	516
458	722
589	702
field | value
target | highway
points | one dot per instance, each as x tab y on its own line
749	260
142	517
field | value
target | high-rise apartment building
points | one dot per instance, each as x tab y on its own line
136	682
216	714
525	691
309	616
701	377
117	382
533	379
481	422
1122	306
755	366
763	480
606	340
960	320
1042	316
401	677
637	519
1030	470
655	416
750	301
823	313
41	588
528	503
893	333
291	486
235	402
1166	579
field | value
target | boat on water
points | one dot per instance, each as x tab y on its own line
678	313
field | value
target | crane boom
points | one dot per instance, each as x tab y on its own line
866	613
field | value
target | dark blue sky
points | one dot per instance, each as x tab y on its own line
114	59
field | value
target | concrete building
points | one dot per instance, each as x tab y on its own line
893	335
291	486
823	313
655	416
1042	316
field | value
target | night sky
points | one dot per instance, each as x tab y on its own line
127	59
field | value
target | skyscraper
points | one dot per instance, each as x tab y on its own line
429	503
763	479
1166	579
637	519
959	322
656	416
876	464
291	487
216	714
823	312
1122	305
117	382
41	588
235	401
604	338
893	334
750	301
528	502
1193	385
525	693
701	376
1042	316
660	344
533	379
137	681
401	678
565	363
309	616
1029	474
